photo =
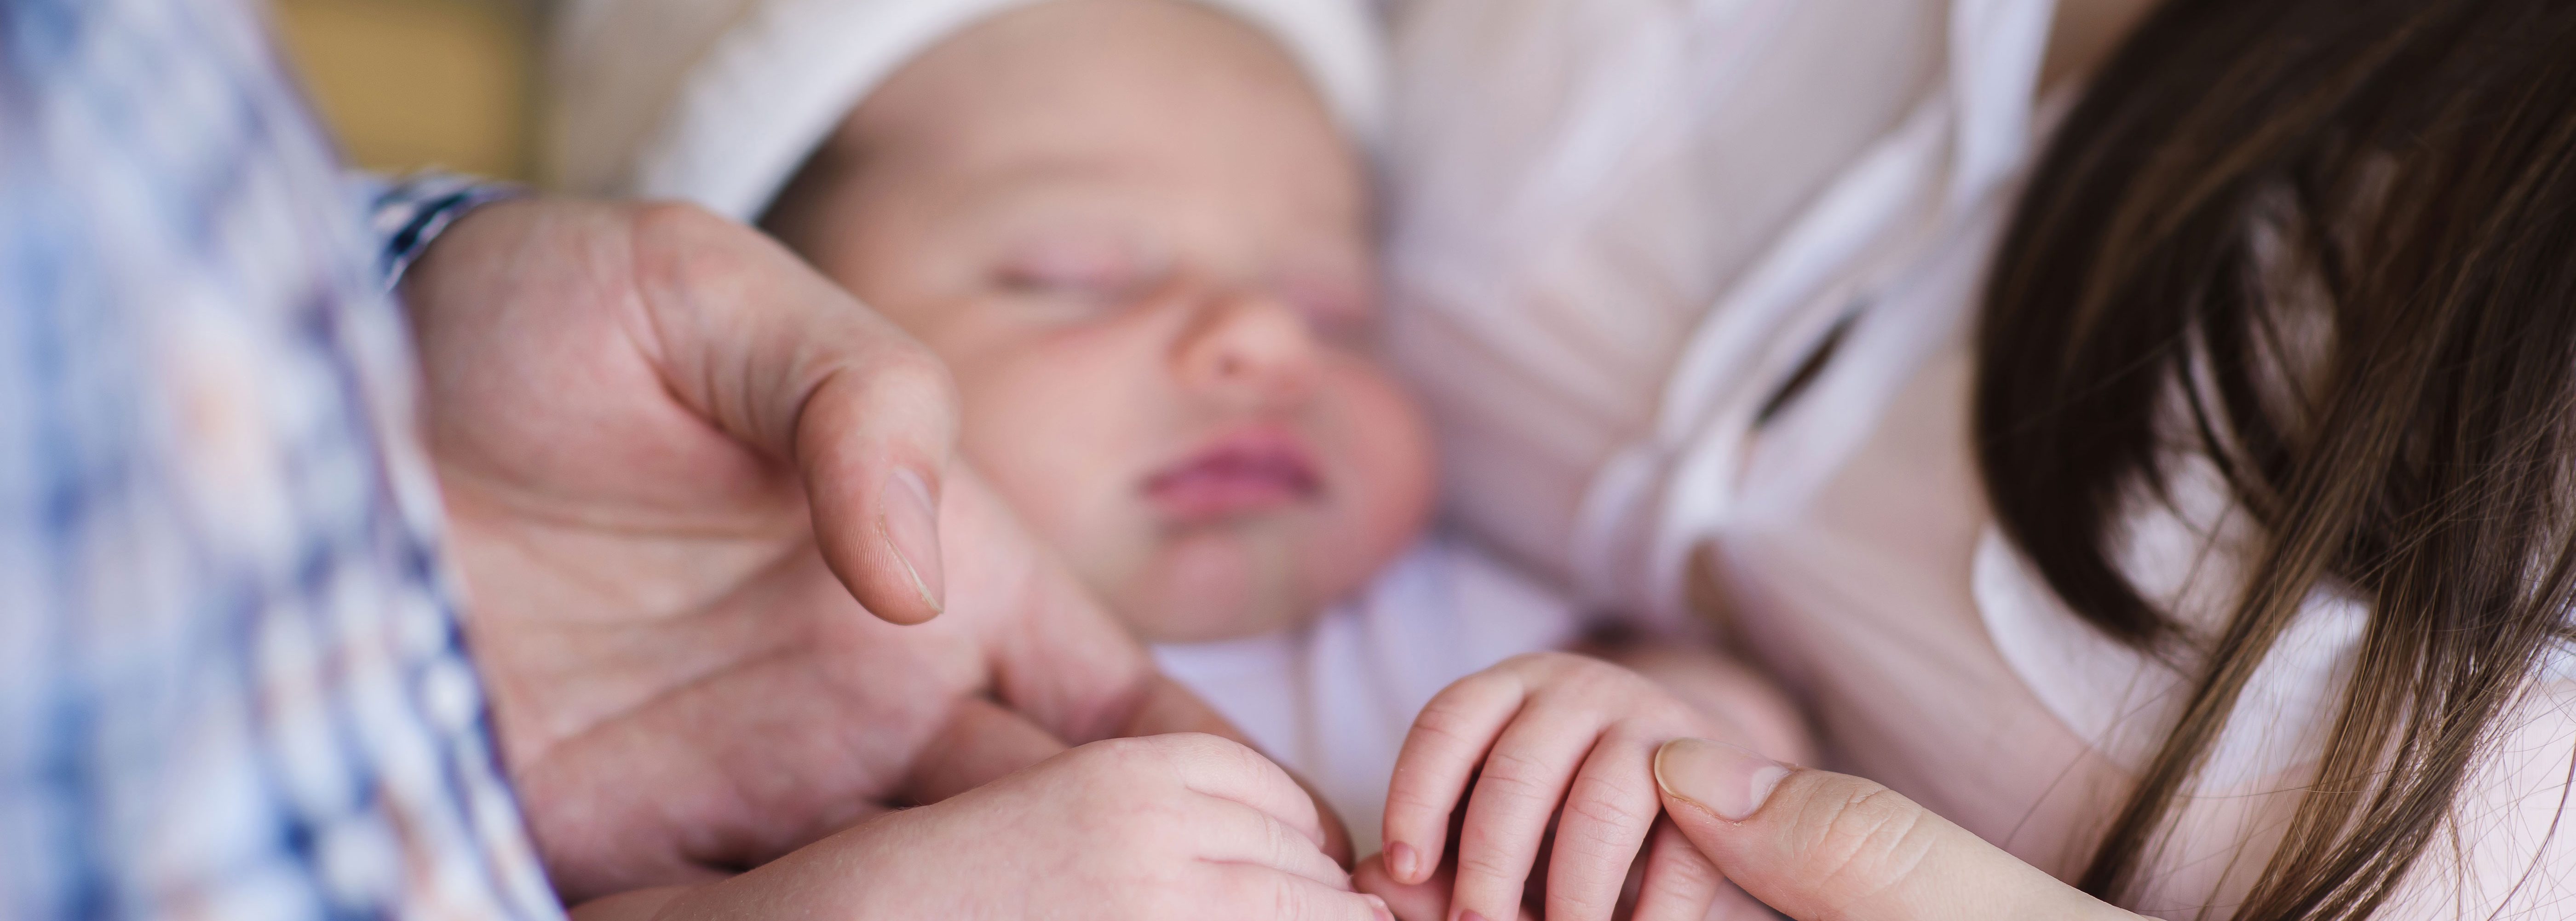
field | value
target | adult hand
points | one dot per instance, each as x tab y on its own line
681	471
1822	846
1158	829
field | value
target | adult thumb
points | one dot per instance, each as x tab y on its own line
1819	846
779	357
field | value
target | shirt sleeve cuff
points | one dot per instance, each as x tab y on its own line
407	214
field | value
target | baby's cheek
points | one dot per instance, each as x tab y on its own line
1057	455
1385	491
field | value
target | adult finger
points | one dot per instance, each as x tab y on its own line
1449	739
982	742
777	356
1055	652
1259	894
1817	845
1524	781
1608	811
1057	656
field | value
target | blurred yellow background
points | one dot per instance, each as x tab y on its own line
408	84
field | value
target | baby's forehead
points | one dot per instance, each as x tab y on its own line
1158	199
1151	130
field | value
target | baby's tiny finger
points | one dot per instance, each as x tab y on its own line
1424	901
1448	740
1262	894
1680	884
1608	811
1524	781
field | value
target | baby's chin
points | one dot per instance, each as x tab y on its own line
1225	584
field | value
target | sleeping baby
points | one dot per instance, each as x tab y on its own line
1139	234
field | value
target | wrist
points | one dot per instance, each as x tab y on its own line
410	213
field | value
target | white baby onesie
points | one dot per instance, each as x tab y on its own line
1332	699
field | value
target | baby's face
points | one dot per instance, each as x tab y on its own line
1141	244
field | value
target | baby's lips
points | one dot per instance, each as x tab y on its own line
1242	473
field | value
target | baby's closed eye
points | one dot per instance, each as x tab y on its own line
1096	267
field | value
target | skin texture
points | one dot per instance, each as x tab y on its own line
1543	763
1163	829
1133	232
1829	847
1129	228
682	685
631	613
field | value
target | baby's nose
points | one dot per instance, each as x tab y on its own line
1249	347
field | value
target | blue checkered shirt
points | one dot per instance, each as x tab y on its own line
232	681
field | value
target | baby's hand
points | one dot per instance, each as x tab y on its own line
1167	828
1558	737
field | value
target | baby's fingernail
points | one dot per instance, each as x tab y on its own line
1379	905
1470	916
908	520
1403	861
1729	781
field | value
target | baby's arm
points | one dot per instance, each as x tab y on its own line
1165	828
1569	739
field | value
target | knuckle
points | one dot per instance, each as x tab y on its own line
1198	751
1485	864
1119	750
1518	774
1540	662
1445	717
1873	839
900	371
1612	809
1588	902
1403	800
1190	742
687	258
1685	870
1248	896
899	361
1227	753
1449	722
675	235
1281	844
677	221
1517	785
1602	678
1122	760
1590	856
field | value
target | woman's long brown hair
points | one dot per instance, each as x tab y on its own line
2330	244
